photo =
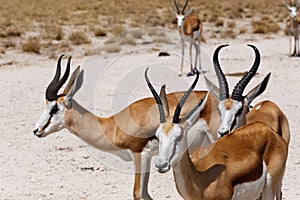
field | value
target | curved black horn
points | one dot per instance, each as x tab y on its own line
157	99
223	85
56	84
180	104
185	5
177	9
241	85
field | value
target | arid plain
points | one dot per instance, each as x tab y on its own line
114	46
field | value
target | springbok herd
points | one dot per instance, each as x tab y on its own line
241	150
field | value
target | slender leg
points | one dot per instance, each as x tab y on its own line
142	163
297	51
191	56
295	42
279	193
137	178
191	73
195	44
182	55
290	43
145	174
199	51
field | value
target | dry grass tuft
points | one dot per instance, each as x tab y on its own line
219	22
112	48
32	45
46	18
79	38
128	39
8	43
99	32
229	33
53	32
265	26
138	34
243	30
231	24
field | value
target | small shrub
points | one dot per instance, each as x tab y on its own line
137	34
128	40
213	18
111	40
12	32
219	22
228	34
264	27
117	29
231	24
162	40
99	32
32	45
79	38
53	33
112	48
9	43
243	30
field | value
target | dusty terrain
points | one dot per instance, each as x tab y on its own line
61	166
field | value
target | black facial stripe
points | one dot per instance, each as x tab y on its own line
47	124
54	110
238	113
233	124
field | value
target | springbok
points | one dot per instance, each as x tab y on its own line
292	25
129	134
191	26
247	164
234	110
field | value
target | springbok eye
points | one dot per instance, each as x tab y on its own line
54	110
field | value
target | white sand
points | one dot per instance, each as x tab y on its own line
52	168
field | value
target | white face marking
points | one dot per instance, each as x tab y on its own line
168	147
52	119
228	117
293	12
180	20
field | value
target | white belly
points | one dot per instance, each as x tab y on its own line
251	190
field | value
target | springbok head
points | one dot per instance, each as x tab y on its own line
292	7
52	119
181	14
233	108
172	131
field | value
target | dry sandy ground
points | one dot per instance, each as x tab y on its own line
61	166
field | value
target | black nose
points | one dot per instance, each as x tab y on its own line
35	131
159	166
223	134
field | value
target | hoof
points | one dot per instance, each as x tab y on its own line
190	74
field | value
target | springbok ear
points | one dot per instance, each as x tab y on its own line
77	83
287	6
193	116
71	81
164	100
256	91
188	12
172	11
213	88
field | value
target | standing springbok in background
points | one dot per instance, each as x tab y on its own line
191	26
129	134
292	25
247	164
234	110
